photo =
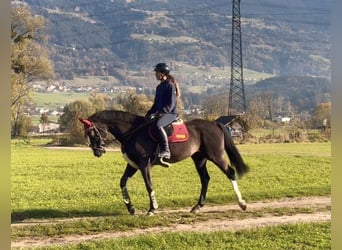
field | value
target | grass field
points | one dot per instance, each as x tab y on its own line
302	236
48	183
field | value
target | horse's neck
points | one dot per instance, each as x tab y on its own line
119	123
118	132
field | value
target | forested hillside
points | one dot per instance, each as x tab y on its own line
284	44
302	93
117	37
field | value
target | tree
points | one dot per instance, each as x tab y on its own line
268	102
69	120
99	101
255	114
44	120
214	106
322	115
134	103
29	60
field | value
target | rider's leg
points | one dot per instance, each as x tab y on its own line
163	121
164	144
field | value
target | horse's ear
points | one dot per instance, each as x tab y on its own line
86	122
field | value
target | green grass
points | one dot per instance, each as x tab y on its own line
300	236
59	183
287	149
53	184
297	236
57	100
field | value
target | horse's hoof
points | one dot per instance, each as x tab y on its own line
243	206
131	210
195	209
150	213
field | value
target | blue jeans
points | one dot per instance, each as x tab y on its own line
166	119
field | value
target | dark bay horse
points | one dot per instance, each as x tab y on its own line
208	140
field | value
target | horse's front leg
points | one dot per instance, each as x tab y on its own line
146	173
129	172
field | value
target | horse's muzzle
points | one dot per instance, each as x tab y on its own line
99	151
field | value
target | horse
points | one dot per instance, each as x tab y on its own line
208	140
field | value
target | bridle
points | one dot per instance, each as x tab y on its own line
100	141
98	135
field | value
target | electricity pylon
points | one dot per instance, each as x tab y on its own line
237	100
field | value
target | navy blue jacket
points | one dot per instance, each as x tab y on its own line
165	100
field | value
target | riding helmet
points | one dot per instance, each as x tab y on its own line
162	67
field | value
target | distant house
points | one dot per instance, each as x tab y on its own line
56	113
281	119
48	128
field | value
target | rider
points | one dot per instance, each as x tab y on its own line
164	108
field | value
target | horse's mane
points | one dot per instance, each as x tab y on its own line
117	115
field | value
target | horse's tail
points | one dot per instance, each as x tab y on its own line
233	153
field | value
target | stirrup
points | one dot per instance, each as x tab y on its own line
161	162
164	154
164	163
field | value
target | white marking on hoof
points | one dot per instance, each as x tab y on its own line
150	213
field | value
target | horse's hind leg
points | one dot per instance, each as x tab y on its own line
231	176
200	163
129	172
230	173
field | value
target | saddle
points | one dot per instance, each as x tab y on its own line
176	131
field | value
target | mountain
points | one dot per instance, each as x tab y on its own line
128	37
303	94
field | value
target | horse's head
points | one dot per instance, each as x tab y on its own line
95	139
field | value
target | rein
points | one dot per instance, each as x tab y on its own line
129	133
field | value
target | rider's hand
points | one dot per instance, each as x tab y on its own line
151	116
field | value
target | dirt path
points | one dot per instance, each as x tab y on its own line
204	226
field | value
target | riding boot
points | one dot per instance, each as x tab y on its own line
164	144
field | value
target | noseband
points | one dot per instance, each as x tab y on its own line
97	134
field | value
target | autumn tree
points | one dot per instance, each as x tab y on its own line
322	115
135	103
69	120
99	101
29	60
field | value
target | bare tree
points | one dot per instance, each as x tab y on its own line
214	106
44	120
254	116
268	102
